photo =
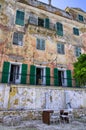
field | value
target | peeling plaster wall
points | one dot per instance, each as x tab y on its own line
1	96
4	96
33	97
24	97
25	53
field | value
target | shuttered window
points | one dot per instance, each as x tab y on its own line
47	76
18	38
77	51
40	44
60	48
32	75
76	31
80	18
59	28
24	74
69	78
20	18
5	72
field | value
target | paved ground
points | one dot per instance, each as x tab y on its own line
38	125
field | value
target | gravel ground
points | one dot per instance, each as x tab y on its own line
38	125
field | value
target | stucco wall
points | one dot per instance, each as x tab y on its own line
33	97
28	53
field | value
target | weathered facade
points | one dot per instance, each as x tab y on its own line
39	43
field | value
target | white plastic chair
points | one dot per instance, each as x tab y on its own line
54	117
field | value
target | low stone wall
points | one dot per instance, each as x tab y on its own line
35	114
19	97
24	114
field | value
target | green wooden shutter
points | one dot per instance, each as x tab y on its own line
47	76
69	78
24	74
17	17
5	72
47	21
80	17
56	81
20	17
76	31
32	75
59	29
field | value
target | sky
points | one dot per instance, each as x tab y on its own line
62	4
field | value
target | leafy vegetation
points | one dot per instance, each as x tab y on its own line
80	70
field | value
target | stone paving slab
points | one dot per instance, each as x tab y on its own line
38	125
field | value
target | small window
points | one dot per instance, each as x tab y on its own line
80	18
40	22
60	48
77	51
20	18
18	39
76	31
40	45
59	28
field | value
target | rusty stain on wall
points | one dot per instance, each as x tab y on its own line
12	93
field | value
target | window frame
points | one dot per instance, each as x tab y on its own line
17	35
75	31
60	48
77	51
18	19
80	18
41	42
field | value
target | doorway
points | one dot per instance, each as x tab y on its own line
61	77
40	78
15	75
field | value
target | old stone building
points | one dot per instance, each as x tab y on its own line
39	43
